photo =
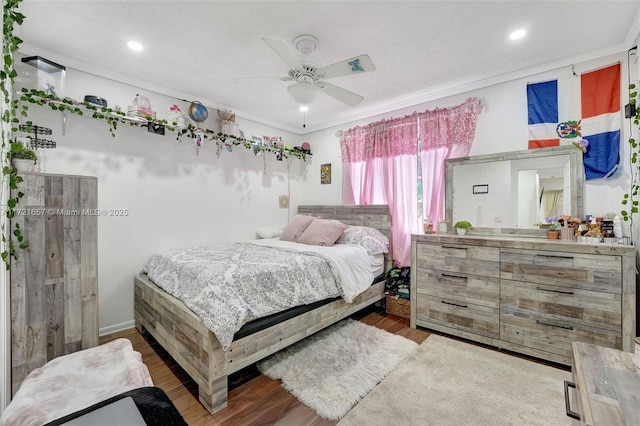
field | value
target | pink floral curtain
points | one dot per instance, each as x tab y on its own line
381	165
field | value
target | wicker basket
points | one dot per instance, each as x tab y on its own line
399	307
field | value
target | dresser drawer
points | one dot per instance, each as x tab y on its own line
459	258
571	306
551	335
602	273
461	287
468	317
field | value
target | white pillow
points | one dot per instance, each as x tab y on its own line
374	241
268	232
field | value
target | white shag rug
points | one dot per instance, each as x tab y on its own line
451	383
333	369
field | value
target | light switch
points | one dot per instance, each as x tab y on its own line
283	201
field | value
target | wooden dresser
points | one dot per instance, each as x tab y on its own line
529	295
54	282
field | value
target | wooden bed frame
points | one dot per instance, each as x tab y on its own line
185	337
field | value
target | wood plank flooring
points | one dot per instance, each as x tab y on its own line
254	399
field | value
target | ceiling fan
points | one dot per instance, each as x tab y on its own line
309	78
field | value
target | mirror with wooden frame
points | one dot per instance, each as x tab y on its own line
512	193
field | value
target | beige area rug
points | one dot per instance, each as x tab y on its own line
448	382
335	368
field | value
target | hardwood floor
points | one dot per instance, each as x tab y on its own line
254	399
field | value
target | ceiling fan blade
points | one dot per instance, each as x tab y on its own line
343	95
357	65
250	79
283	50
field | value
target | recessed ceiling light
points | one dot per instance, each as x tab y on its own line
134	45
517	34
303	108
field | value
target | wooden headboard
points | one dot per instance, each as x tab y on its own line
375	216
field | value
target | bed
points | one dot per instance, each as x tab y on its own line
188	339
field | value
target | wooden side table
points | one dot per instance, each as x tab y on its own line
607	383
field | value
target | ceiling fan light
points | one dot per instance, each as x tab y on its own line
303	92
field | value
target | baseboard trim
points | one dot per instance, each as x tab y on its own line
116	327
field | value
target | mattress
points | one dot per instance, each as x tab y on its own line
266	322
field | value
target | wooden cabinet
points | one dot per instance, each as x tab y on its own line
54	282
532	296
607	386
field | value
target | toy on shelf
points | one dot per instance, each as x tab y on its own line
176	115
228	123
141	108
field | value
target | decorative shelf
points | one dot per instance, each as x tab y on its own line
222	140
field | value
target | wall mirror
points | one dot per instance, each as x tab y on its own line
513	192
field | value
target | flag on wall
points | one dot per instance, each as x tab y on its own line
542	104
600	125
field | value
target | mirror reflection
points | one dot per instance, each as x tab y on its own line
515	190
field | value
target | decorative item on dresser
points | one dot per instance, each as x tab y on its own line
528	295
54	283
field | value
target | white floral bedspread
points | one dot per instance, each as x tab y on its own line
230	285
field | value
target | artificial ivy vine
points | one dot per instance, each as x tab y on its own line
10	112
113	118
630	199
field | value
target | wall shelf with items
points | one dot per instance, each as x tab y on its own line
157	126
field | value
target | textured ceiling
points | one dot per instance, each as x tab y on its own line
195	48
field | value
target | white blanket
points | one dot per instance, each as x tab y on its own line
76	381
230	285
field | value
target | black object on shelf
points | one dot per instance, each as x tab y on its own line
38	130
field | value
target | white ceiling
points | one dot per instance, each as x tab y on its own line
421	49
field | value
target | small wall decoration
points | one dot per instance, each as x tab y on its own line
325	174
481	189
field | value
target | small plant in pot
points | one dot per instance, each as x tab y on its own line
552	230
462	226
22	158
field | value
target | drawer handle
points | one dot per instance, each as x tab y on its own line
555	256
567	402
554	291
454	247
553	325
456	277
454	304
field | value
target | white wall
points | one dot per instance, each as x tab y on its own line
501	127
174	197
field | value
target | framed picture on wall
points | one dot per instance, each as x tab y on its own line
325	174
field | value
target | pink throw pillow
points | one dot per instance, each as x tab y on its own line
296	227
322	232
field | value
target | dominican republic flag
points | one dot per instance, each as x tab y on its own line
542	102
600	125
